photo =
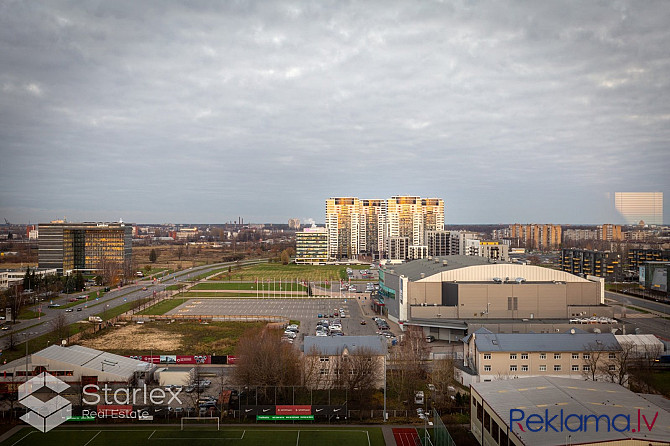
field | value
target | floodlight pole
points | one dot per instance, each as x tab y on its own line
384	414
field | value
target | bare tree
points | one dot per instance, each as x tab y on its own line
59	328
595	357
407	361
263	359
619	363
441	376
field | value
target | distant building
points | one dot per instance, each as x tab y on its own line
635	207
578	235
398	248
584	262
442	243
372	227
537	236
9	277
610	233
654	277
83	246
311	246
294	223
417	252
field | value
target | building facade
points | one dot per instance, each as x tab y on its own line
343	224
372	229
537	236
638	256
311	246
583	262
83	246
636	207
610	233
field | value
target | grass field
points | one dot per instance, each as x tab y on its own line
288	272
272	286
163	306
194	294
197	436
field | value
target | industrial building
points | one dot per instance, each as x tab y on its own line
83	246
76	364
446	295
550	411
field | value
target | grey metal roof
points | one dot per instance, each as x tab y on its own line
334	345
428	267
93	359
539	394
544	342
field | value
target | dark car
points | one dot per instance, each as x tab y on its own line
363	322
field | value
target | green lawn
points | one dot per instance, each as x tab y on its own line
289	272
163	306
71	435
175	287
272	286
113	312
25	313
194	294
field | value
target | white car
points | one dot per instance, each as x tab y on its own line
290	334
321	333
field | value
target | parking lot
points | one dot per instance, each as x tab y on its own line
304	310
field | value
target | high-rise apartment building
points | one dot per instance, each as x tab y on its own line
536	236
83	246
635	207
372	229
343	224
442	243
294	223
410	217
610	233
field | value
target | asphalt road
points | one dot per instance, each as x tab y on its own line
646	323
32	328
638	302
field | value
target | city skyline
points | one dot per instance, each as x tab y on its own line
512	113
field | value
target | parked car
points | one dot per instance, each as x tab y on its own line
430	338
363	322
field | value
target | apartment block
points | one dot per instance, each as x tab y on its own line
583	262
638	256
343	224
610	233
537	236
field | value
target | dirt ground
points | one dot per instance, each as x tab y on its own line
122	337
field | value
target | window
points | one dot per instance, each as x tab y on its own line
323	371
487	368
524	355
557	368
487	355
586	368
575	368
524	368
586	356
512	303
612	355
512	356
543	368
557	356
611	368
324	358
543	356
575	356
512	368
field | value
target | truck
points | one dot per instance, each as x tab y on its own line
94	319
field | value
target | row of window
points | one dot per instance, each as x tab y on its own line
556	356
557	368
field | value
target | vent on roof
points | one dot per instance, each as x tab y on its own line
494	342
423	275
520	280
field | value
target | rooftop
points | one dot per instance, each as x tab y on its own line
543	342
547	396
428	267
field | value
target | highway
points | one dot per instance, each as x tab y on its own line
32	328
647	323
638	302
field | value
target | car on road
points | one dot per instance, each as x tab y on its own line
68	310
5	327
78	309
319	315
144	288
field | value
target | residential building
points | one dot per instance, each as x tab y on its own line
343	224
417	252
490	356
638	256
583	262
636	207
610	233
537	236
83	246
311	246
341	361
506	412
442	243
410	216
447	295
398	248
372	229
578	235
294	223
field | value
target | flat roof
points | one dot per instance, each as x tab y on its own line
429	267
544	342
547	397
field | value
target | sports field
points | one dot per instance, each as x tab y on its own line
199	436
292	271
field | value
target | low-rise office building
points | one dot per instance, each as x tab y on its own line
344	360
311	246
490	356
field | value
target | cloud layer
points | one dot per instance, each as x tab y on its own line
200	112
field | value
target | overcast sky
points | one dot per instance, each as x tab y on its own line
202	112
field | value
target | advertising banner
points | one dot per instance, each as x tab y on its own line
294	410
